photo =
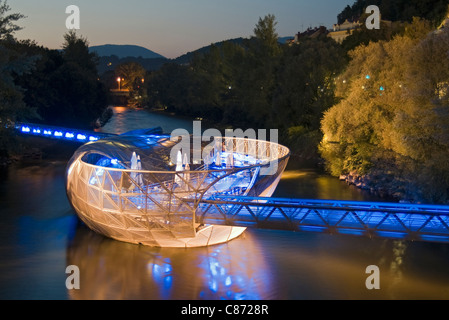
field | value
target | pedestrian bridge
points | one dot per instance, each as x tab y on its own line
373	219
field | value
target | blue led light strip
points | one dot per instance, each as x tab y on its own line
76	135
382	219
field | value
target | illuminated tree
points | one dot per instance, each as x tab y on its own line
392	121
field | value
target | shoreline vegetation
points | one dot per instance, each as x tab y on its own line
372	110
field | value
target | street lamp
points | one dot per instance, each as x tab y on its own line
119	80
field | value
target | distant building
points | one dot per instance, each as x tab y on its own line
347	25
341	31
309	33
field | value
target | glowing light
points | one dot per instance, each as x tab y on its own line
47	132
92	138
58	134
36	131
80	136
69	135
368	76
25	129
381	88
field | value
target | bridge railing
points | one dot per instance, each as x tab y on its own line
392	220
60	133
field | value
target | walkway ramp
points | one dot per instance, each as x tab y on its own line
383	219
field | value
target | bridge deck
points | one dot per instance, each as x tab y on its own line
392	220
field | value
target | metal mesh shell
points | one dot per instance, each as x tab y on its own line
156	204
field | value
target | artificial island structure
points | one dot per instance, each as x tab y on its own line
128	187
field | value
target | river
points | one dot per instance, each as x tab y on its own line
40	236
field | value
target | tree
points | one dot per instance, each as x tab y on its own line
132	74
76	51
63	86
391	123
12	107
256	82
133	79
82	96
8	24
305	89
265	33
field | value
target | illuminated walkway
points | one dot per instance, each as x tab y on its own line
53	132
392	220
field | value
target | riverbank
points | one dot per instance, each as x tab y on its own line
32	149
373	186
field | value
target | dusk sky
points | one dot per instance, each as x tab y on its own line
169	27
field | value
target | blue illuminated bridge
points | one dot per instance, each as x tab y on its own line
372	219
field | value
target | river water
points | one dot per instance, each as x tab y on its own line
40	236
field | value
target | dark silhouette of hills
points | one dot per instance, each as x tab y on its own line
113	55
185	58
124	51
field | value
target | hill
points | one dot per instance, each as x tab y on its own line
185	58
113	55
124	51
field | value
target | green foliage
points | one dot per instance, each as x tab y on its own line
399	10
305	82
393	117
8	22
63	86
133	79
265	33
12	107
363	36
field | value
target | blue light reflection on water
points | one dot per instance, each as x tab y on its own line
39	239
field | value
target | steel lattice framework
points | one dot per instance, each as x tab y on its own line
393	220
158	207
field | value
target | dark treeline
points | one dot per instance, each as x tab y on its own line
57	87
256	83
398	10
63	86
390	130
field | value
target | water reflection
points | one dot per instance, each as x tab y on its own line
39	240
261	264
313	184
116	270
127	119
